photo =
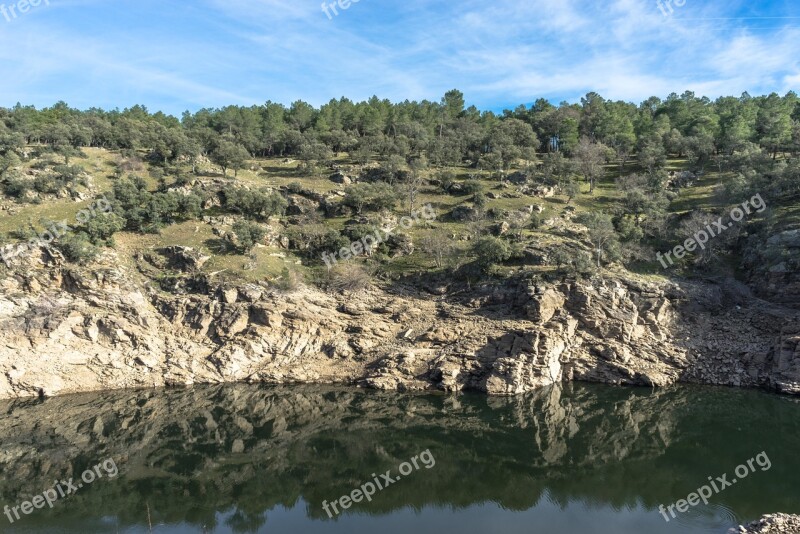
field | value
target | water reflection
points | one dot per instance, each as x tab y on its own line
254	459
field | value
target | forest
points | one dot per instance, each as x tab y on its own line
624	172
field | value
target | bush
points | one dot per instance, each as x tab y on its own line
370	197
314	240
248	234
14	185
255	204
46	184
295	188
570	261
479	201
446	180
490	251
472	187
289	280
348	277
77	248
101	229
69	173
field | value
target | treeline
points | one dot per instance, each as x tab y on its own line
446	132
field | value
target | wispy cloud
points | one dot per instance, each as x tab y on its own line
505	52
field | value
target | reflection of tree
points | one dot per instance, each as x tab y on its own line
243	522
190	454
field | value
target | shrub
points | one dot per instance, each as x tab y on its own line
314	240
479	200
15	185
490	251
370	197
248	234
348	277
472	187
101	229
46	184
255	204
295	188
77	248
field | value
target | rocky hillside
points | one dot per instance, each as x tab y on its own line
67	328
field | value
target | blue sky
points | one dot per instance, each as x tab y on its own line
173	56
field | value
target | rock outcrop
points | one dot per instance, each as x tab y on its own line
68	329
772	524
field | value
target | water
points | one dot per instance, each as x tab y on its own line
577	459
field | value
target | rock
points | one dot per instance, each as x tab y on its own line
501	229
464	213
300	205
771	524
71	329
185	258
543	307
340	178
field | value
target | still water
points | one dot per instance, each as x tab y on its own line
565	460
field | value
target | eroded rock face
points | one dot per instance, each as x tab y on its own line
67	329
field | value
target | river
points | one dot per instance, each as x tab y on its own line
564	460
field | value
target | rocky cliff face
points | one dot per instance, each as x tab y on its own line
68	329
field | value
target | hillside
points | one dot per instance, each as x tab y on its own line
409	246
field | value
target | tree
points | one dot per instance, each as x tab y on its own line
372	197
652	155
228	154
774	124
248	234
312	153
602	235
439	245
571	189
590	158
417	166
490	251
101	228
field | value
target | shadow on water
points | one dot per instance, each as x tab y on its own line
577	458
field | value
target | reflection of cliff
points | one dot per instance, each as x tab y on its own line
190	452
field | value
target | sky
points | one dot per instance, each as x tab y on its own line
174	56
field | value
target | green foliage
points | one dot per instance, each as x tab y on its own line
248	234
101	228
602	235
472	187
15	185
570	261
77	248
490	250
315	239
261	204
144	211
370	197
229	155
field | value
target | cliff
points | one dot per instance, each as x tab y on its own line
68	329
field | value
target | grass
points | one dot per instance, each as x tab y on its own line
267	263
